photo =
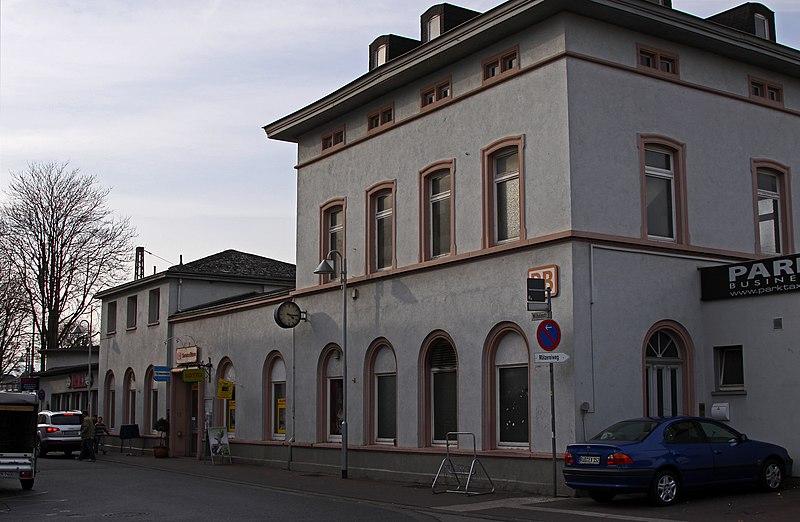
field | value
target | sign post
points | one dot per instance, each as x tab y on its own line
548	334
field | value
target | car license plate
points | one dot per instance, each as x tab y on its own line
587	459
8	474
70	433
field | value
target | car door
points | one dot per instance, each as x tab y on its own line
733	460
690	452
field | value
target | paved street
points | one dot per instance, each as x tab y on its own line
143	488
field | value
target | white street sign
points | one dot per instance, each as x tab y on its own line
550	357
541	316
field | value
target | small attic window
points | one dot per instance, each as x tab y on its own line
434	27
762	26
380	55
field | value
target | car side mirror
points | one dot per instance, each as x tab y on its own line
742	437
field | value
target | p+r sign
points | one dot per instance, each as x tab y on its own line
548	334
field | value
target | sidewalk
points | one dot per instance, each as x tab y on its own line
365	490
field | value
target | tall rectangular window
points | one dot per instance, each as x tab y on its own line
383	231
507	203
769	213
279	408
730	367
512	397
380	227
153	404
111	317
154	307
334	236
386	407
660	177
132	310
503	192
335	407
436	210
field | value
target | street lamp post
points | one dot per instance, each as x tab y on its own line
325	268
88	368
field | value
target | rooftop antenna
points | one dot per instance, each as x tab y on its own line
138	270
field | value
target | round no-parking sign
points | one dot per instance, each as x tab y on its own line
548	334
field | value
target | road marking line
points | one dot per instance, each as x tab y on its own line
525	503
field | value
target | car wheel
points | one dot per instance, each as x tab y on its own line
27	484
601	496
41	449
665	488
771	476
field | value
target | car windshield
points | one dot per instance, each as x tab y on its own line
70	419
635	430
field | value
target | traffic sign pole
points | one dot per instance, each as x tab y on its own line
553	427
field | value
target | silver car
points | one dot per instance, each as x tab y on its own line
58	431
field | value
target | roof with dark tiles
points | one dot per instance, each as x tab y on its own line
237	264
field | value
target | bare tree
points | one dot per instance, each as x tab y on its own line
14	314
64	243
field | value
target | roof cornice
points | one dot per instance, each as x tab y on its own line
515	15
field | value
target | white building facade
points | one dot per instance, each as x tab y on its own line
613	147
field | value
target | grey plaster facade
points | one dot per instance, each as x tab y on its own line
583	110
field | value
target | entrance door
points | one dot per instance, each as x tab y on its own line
195	405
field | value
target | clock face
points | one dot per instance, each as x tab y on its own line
287	314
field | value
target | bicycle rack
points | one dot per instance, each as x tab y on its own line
458	478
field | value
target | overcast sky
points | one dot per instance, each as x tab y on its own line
164	101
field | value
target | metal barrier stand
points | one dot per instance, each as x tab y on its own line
460	475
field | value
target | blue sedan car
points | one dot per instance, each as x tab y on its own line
665	456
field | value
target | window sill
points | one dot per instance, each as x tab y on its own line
719	393
130	328
109	334
154	323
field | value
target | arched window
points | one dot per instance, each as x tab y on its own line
330	395
667	371
226	407
439	408
110	400
274	397
380	383
507	400
129	406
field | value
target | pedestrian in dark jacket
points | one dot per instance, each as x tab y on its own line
87	438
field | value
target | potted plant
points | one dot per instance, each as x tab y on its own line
162	449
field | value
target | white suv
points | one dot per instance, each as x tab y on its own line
58	431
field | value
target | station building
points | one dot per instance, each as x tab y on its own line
637	158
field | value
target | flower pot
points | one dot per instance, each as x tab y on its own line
160	452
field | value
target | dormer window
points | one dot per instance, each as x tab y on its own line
762	26
380	55
434	27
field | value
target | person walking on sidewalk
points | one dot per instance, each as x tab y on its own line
87	438
100	431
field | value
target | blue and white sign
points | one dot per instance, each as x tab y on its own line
161	373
